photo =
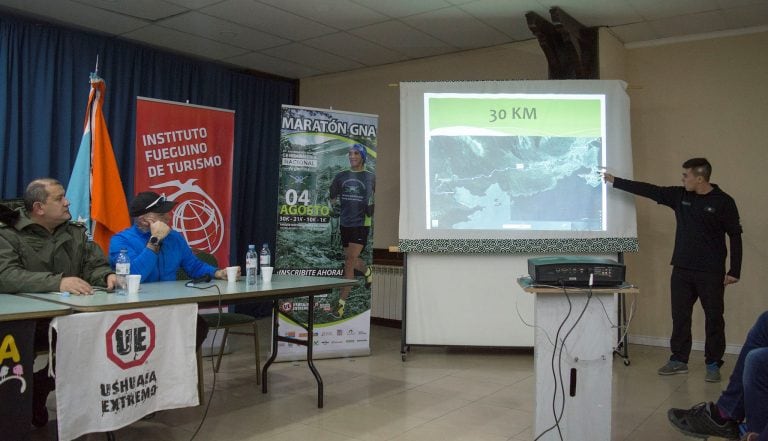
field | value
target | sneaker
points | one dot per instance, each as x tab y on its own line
340	308
673	367
713	373
368	277
698	422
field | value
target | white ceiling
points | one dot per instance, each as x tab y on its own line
303	38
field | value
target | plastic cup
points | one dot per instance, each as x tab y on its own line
134	280
266	273
232	273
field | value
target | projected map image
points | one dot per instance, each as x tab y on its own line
515	183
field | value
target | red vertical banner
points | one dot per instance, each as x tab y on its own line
185	152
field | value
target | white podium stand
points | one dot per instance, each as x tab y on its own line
573	380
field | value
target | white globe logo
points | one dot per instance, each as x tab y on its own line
199	223
196	215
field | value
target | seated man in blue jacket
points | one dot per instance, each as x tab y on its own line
157	251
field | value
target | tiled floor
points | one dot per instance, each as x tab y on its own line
437	394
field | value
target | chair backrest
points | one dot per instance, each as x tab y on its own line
8	213
208	258
12	203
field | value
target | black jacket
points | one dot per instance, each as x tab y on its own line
702	223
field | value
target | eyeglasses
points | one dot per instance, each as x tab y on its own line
157	201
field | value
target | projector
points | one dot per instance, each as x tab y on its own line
575	271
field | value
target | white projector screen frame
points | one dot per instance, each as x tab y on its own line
616	213
461	287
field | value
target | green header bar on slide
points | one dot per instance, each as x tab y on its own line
580	116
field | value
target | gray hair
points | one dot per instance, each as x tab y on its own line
37	191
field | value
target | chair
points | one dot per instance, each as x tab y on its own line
228	320
12	203
7	209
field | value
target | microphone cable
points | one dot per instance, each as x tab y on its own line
555	376
562	345
558	377
191	284
625	327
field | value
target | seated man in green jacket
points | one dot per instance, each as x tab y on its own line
41	251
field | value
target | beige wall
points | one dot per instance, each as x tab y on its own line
700	98
612	57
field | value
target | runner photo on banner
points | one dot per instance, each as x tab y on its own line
325	225
184	153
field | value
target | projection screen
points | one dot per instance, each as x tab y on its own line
495	172
514	166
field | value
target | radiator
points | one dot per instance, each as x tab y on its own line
387	292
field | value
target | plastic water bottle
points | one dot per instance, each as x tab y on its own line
122	269
251	265
264	256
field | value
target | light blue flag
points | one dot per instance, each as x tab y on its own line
79	188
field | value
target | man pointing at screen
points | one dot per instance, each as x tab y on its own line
704	214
